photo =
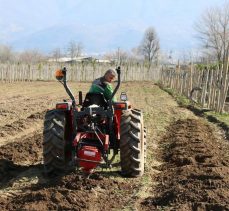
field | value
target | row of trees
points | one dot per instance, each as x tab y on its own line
147	50
74	49
7	54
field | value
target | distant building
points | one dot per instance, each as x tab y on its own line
168	65
78	59
103	61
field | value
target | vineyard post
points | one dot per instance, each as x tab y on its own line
205	84
210	88
219	87
191	78
224	86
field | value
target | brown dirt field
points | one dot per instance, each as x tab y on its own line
187	159
194	175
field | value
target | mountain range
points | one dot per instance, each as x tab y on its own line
95	39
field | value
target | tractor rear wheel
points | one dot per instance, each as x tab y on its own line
132	144
54	142
139	113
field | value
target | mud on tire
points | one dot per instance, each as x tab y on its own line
53	142
132	144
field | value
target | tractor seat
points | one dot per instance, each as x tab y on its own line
95	99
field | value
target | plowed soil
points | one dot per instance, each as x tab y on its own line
187	158
194	175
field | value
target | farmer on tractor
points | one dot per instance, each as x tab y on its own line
91	132
103	84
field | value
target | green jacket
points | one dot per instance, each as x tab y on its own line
99	85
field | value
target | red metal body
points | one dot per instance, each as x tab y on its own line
117	119
89	157
103	137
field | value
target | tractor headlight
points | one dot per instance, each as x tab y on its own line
123	96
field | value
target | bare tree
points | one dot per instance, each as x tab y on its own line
31	56
119	56
213	31
75	49
150	45
56	54
135	55
6	53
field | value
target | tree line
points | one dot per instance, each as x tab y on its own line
147	51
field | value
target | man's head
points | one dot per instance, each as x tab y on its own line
110	75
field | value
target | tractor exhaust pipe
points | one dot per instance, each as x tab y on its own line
80	98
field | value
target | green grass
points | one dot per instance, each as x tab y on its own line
147	116
221	117
181	99
184	101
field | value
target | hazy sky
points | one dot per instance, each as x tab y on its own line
172	19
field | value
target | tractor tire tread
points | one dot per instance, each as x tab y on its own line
132	164
53	142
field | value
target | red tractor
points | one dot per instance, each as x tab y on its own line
83	135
